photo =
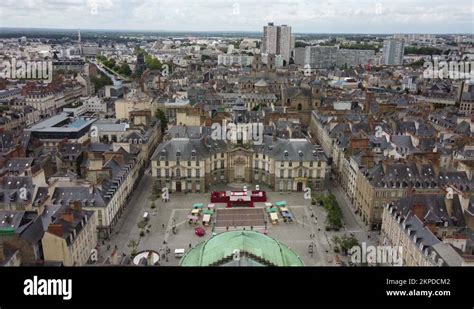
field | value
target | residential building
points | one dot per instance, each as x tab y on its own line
71	236
393	51
428	229
278	40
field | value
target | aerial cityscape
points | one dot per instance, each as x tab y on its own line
316	134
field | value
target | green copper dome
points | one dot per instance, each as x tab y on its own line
241	248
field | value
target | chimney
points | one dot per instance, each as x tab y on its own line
68	217
432	227
448	202
368	159
418	210
56	229
76	205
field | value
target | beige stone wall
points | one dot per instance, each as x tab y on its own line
55	249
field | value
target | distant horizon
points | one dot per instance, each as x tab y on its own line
218	31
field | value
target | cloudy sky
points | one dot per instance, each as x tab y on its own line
306	16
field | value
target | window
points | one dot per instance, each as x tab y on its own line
189	173
198	173
290	164
222	164
281	173
167	173
166	163
197	163
222	155
300	173
189	163
290	174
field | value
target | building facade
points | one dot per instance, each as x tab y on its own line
193	165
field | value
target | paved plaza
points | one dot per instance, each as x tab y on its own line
159	234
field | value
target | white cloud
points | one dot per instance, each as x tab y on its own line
303	15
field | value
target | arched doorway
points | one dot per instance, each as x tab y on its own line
299	186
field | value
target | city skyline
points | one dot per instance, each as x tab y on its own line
242	16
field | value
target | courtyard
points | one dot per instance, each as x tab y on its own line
167	226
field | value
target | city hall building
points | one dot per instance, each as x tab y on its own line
193	165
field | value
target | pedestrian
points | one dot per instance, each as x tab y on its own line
190	245
163	226
164	242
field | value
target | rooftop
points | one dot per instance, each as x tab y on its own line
258	247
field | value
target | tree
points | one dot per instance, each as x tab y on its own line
425	50
152	63
138	50
100	81
124	69
301	44
344	244
156	191
164	121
